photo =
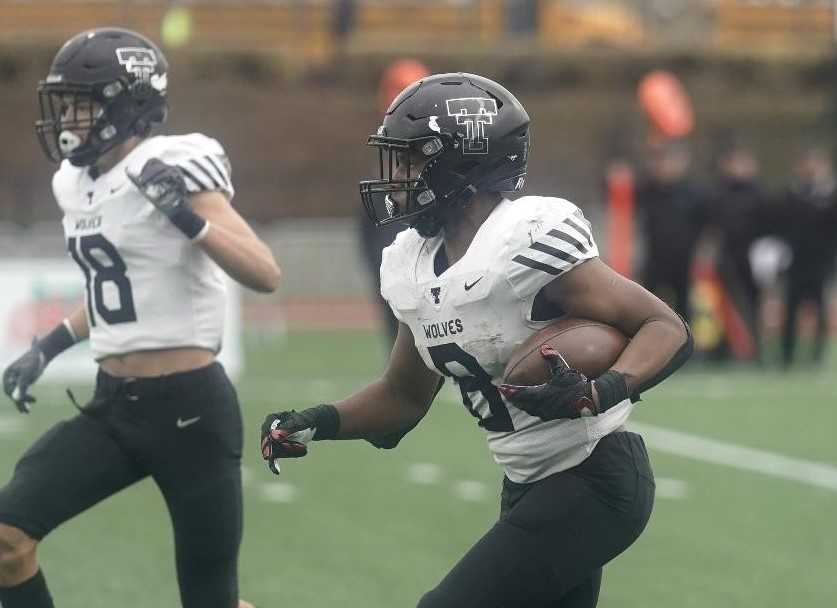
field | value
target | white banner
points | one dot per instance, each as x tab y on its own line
38	294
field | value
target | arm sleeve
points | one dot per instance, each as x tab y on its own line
547	242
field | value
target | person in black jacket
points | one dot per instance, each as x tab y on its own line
810	227
740	216
673	210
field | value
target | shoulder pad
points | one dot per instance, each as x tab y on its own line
201	159
62	182
400	256
550	236
398	261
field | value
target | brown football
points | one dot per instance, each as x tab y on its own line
588	346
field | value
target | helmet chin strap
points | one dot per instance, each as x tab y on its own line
86	152
430	224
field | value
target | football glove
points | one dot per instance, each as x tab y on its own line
165	187
286	434
21	374
568	394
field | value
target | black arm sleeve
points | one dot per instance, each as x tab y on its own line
675	363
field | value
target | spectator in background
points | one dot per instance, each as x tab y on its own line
344	18
809	212
673	210
521	17
373	240
739	217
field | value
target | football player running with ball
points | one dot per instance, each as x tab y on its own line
150	224
474	277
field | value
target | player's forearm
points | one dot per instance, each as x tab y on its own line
244	258
78	323
378	409
657	350
66	334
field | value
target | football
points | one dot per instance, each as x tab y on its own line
588	346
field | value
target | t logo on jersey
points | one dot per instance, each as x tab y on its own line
435	292
474	113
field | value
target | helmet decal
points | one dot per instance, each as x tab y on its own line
474	113
159	82
139	61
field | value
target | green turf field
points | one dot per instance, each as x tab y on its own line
350	526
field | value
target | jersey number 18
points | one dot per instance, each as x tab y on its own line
101	263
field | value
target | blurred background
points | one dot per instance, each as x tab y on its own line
697	136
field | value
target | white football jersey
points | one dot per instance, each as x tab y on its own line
468	320
147	285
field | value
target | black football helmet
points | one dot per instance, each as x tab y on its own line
105	86
474	135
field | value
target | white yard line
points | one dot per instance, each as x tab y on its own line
278	491
748	459
424	473
675	489
470	490
10	426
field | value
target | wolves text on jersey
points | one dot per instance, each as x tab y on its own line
89	223
443	329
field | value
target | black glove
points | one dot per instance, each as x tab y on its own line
568	394
20	375
286	434
165	187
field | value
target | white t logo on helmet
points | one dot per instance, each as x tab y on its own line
139	61
474	113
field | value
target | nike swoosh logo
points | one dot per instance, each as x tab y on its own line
468	287
117	189
182	424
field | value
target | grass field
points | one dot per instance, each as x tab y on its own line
350	526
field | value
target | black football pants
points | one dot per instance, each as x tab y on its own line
184	431
553	536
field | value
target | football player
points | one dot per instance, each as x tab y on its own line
149	222
474	277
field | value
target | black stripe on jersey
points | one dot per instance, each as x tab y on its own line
72	246
580	229
568	239
220	171
201	187
208	174
561	255
522	259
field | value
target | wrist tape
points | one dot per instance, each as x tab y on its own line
326	420
611	389
57	341
188	222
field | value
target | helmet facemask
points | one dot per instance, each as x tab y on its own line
73	124
406	197
82	122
